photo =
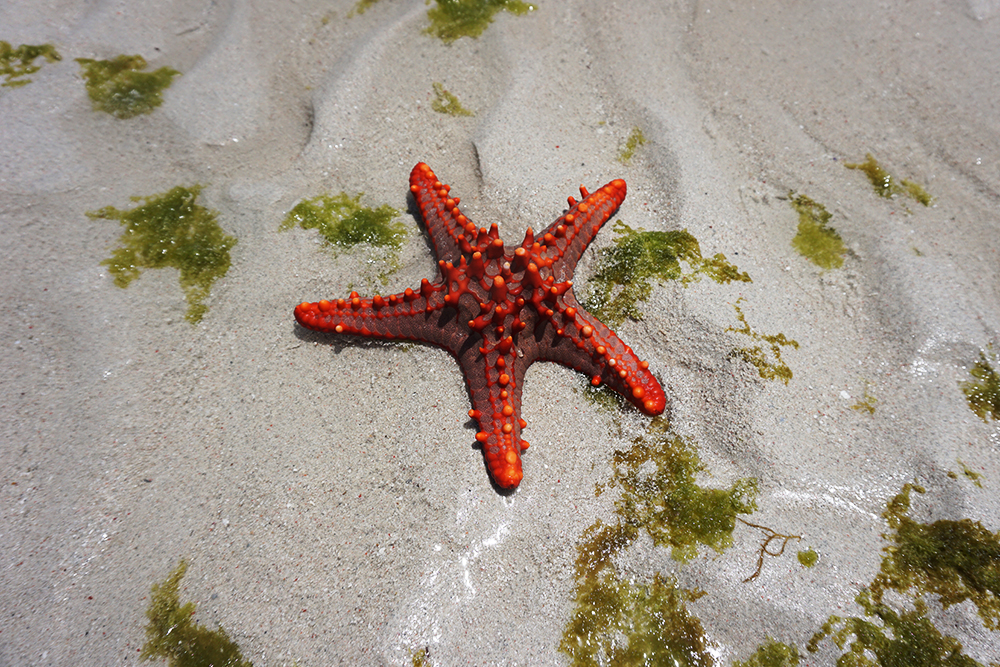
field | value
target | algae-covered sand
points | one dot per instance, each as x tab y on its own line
318	500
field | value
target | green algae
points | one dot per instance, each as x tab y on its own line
983	391
120	88
446	103
625	271
626	623
885	185
917	192
816	241
171	229
360	7
659	494
621	622
755	356
968	473
420	658
618	622
171	634
634	141
17	64
879	178
956	561
866	404
452	19
344	223
900	639
808	557
771	654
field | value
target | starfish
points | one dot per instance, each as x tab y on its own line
498	309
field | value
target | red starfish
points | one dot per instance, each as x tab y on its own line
498	309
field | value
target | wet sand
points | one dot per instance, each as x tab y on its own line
327	493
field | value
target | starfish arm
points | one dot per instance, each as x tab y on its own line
451	233
584	343
494	375
568	237
497	309
411	315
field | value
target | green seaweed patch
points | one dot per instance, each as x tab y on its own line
446	103
626	270
816	241
659	495
360	7
867	403
968	473
120	87
880	179
983	391
957	561
420	658
17	64
771	654
344	223
899	639
617	622
808	557
171	634
634	141
755	356
885	185
171	229
624	623
917	192
452	19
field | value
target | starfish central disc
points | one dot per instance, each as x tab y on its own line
498	309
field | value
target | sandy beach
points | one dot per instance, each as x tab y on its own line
327	492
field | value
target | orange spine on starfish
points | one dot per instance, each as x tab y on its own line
498	309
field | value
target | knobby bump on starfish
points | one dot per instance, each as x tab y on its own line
498	309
